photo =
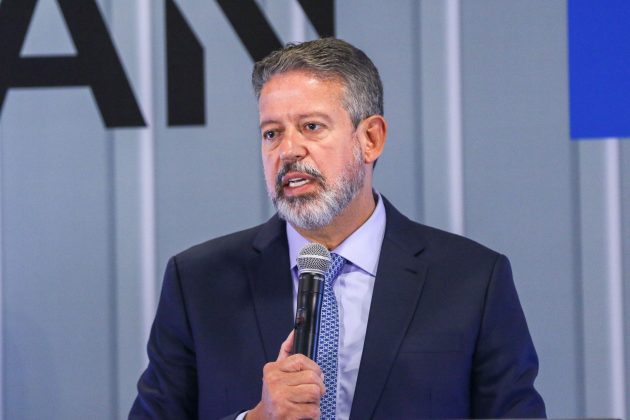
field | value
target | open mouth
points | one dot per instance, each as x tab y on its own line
296	179
297	182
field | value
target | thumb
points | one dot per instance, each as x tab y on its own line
285	348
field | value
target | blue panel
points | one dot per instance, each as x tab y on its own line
599	67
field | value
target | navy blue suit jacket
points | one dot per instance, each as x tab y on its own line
446	335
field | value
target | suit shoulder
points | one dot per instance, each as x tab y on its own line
446	247
433	242
457	261
449	240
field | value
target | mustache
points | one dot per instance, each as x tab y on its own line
298	167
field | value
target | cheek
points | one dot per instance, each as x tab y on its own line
335	165
269	170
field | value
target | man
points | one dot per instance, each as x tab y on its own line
429	323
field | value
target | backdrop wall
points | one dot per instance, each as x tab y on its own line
476	94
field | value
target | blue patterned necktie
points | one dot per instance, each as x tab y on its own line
328	346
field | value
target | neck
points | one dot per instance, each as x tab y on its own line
345	223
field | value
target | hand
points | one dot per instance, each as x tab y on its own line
292	387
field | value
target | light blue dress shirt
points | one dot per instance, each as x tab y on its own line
353	290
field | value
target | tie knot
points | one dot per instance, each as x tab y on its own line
336	265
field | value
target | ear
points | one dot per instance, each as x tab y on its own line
372	135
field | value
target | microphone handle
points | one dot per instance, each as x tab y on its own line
308	314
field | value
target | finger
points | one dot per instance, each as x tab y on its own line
294	379
305	394
307	411
298	362
285	347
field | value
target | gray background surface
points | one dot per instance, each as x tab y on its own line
90	215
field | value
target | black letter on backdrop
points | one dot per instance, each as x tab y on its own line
185	71
251	27
257	35
96	63
321	13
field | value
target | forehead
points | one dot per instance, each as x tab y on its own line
301	82
298	93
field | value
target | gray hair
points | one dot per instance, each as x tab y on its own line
329	58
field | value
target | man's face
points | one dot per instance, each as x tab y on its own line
312	158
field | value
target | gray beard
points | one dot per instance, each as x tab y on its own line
318	209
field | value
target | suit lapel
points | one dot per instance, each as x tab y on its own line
399	281
271	286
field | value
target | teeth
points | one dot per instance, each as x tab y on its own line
297	182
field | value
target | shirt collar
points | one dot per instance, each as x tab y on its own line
362	248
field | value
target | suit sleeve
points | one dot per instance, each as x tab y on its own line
168	387
505	363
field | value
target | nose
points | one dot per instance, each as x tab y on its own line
292	146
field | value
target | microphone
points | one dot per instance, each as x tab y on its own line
313	261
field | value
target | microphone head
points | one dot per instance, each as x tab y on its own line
314	258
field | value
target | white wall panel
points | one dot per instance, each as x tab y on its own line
441	108
58	331
519	177
389	36
625	252
600	204
209	178
136	275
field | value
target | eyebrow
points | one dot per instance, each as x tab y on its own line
321	115
266	122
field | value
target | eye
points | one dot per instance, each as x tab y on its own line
269	134
312	126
